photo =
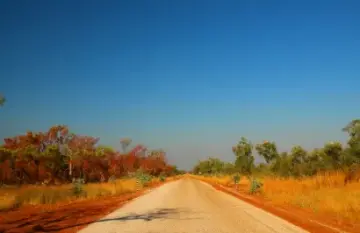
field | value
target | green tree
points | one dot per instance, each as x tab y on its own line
318	160
244	159
298	154
298	159
209	166
243	148
229	168
268	150
334	151
282	165
353	130
2	100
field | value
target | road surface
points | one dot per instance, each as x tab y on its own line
189	206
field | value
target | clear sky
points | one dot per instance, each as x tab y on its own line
191	77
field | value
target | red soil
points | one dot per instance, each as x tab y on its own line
63	218
302	218
70	218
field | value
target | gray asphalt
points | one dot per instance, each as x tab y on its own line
189	205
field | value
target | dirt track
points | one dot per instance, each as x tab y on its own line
189	205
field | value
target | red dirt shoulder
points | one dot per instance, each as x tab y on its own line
302	218
63	218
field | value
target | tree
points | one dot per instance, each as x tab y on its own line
282	165
58	156
353	129
210	166
334	151
268	150
229	168
245	164
298	155
125	142
2	100
244	158
298	158
243	148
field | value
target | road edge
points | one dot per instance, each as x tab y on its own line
134	196
304	223
79	219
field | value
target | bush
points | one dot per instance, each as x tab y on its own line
143	178
255	186
236	179
162	178
77	188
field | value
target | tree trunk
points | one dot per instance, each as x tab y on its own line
70	169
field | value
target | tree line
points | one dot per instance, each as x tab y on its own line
58	156
298	162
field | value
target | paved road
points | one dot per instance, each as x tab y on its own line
189	206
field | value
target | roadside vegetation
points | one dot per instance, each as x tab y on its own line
323	181
59	166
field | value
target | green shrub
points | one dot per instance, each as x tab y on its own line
255	186
77	187
236	178
143	178
162	178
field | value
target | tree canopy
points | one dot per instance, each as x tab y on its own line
297	162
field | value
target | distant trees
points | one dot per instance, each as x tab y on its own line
2	100
57	156
353	130
213	166
298	162
267	150
244	161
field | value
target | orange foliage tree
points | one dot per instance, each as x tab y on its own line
58	156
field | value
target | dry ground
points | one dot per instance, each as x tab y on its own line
322	198
189	206
62	212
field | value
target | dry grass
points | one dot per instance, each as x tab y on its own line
33	195
323	193
225	180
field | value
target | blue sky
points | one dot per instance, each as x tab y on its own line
191	77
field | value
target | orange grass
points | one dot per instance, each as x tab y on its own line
323	194
11	197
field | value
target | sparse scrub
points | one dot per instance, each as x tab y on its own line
11	197
143	178
77	188
57	156
255	186
236	178
322	193
162	178
59	166
324	180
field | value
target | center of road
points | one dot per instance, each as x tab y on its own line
186	206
